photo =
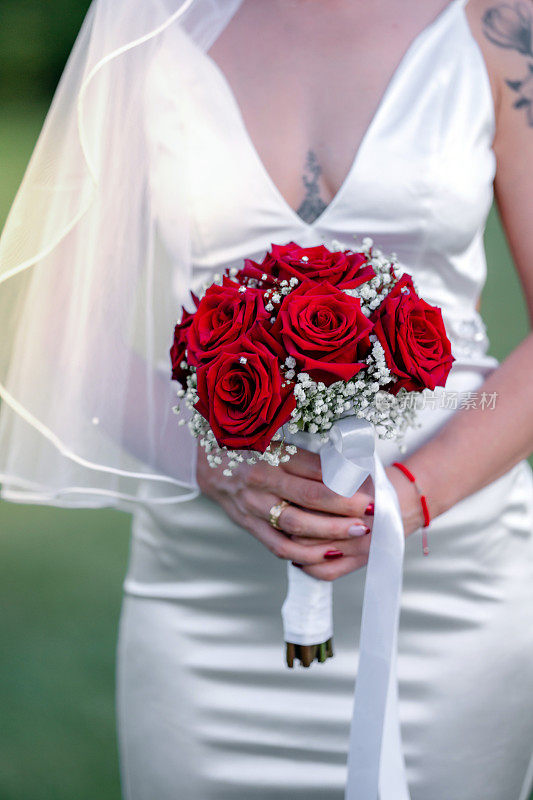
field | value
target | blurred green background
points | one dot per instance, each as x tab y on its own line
61	571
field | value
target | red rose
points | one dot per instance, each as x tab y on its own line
341	268
243	395
325	330
179	346
224	314
413	336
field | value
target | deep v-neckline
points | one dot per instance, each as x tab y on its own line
369	131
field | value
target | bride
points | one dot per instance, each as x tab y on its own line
185	136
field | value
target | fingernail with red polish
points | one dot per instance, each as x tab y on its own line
358	530
333	554
369	510
294	564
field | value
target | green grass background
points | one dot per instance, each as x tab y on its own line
61	574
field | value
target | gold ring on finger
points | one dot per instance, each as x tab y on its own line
275	513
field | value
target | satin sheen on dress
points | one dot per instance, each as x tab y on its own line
206	706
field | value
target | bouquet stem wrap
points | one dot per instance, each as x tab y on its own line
375	757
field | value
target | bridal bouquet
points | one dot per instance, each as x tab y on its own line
312	347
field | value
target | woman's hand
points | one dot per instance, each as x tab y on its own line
318	530
412	518
326	534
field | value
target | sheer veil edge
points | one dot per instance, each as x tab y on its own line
88	294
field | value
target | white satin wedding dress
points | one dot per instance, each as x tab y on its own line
207	708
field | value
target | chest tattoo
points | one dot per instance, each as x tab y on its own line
312	205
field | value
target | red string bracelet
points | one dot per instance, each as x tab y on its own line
423	502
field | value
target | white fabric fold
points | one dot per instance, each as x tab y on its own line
375	757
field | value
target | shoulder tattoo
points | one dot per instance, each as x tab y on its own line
511	26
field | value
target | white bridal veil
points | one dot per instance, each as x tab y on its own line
88	298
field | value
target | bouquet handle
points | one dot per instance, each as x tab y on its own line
307	615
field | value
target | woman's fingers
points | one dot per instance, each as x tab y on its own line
285	548
300	522
305	464
325	533
349	548
311	494
336	569
277	542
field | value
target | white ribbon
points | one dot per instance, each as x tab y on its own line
375	756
